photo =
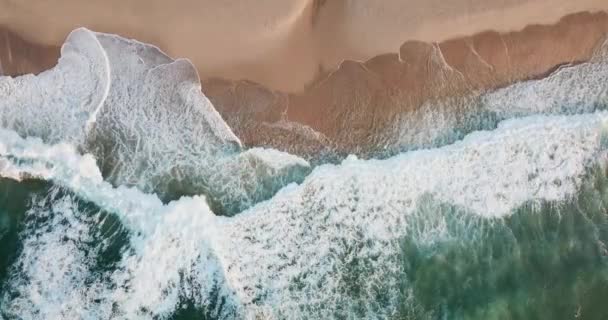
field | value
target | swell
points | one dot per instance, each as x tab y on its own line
13	205
445	254
124	288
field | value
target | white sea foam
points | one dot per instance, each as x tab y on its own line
292	253
348	213
52	268
569	90
160	133
59	105
167	241
145	120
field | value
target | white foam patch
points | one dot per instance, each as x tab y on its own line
243	180
149	86
433	124
569	90
275	159
62	103
576	89
299	247
294	255
145	120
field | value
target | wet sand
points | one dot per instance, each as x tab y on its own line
282	44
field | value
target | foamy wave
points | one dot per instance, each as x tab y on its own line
291	254
166	241
351	213
190	149
297	254
53	265
576	89
59	105
569	90
144	118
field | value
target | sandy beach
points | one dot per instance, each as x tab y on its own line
281	44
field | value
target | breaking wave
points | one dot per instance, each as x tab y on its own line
125	195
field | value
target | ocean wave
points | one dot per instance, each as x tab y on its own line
367	204
165	240
287	253
546	261
144	117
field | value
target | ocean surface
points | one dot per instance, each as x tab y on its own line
124	195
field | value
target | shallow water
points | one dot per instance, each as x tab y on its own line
130	198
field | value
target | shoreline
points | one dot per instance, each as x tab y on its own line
349	109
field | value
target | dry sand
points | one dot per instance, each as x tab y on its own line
279	43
